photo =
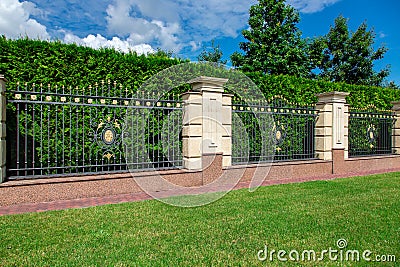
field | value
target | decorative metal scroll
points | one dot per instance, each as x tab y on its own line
107	134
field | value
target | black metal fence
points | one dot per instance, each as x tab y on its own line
105	128
370	132
274	130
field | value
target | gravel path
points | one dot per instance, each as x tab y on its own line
27	196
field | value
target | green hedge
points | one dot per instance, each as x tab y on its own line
35	61
300	90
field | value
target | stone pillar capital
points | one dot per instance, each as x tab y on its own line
396	106
204	83
332	97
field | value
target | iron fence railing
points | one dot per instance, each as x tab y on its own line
57	131
54	131
370	132
274	130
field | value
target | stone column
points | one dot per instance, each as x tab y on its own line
3	146
226	122
396	128
192	131
332	125
206	122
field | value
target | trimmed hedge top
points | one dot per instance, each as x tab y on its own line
36	61
300	90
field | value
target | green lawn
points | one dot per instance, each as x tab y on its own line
308	216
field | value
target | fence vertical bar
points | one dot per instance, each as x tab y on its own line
3	146
70	130
56	133
63	131
26	137
83	131
77	100
33	141
48	131
18	137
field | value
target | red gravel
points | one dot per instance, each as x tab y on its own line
27	196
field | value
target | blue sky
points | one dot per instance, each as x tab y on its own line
186	26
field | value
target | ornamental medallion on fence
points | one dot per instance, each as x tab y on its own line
108	135
370	131
280	134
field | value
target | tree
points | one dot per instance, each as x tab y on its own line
390	84
274	43
215	55
341	56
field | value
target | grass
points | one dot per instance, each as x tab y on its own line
314	215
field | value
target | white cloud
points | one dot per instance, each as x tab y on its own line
16	21
195	46
311	6
136	24
122	21
169	24
174	24
382	35
99	41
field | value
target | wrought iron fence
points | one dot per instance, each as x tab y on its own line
105	128
370	132
274	130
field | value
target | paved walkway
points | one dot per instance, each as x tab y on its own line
140	196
